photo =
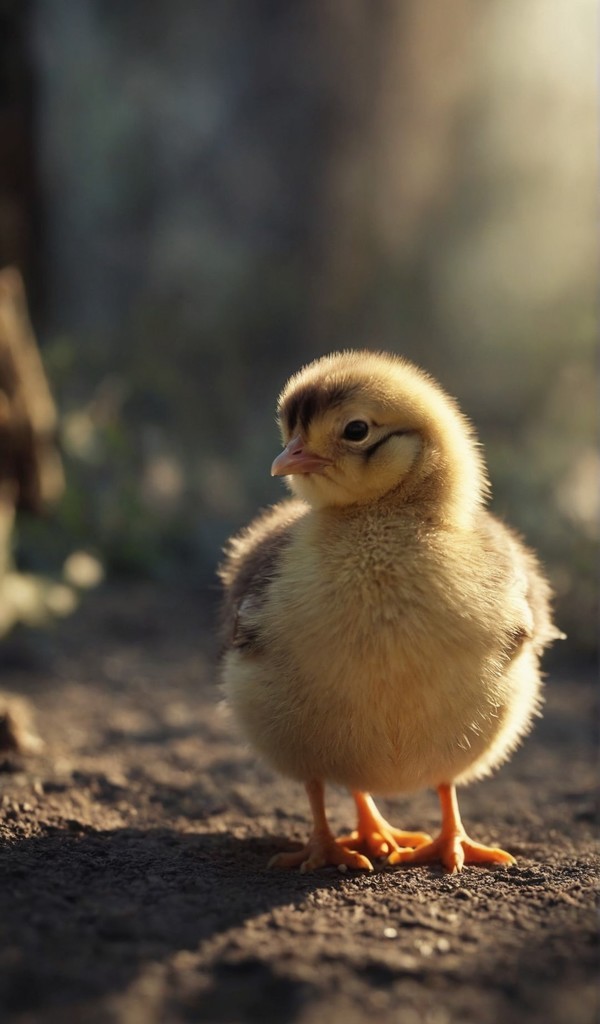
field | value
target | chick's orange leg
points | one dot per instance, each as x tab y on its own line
375	835
322	847
452	847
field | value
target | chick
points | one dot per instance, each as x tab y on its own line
382	630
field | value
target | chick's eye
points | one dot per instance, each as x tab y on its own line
356	430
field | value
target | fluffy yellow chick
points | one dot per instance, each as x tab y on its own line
383	630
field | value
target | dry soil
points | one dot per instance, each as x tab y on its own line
134	850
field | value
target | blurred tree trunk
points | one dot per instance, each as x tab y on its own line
30	469
31	472
18	172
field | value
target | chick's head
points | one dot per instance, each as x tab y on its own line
358	426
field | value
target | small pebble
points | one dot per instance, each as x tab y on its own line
443	945
389	933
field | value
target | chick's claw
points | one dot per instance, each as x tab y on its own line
320	852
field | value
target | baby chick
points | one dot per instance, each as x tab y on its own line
383	630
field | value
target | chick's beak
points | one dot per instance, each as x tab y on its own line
295	458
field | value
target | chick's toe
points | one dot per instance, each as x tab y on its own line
320	851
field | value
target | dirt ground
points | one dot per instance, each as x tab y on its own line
133	853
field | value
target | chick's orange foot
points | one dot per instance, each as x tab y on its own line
321	851
453	847
375	835
322	847
453	852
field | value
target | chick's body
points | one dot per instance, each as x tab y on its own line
384	633
387	665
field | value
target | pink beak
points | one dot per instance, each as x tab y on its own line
296	459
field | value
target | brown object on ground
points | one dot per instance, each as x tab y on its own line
17	733
134	851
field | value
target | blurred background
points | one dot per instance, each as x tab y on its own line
201	197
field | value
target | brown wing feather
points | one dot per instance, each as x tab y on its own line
251	562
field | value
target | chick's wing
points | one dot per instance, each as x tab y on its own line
509	557
251	563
